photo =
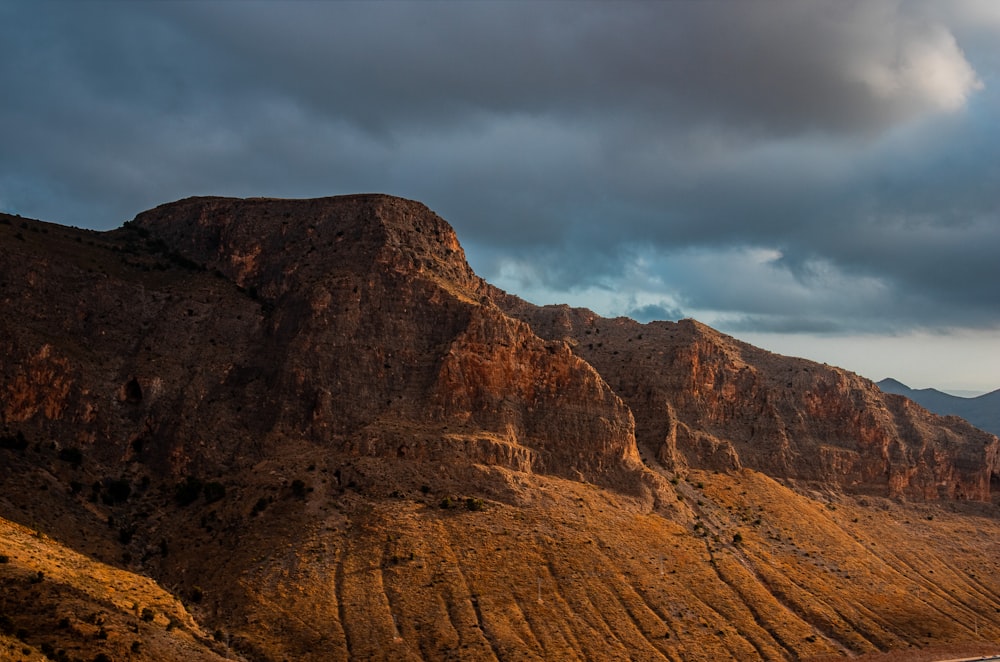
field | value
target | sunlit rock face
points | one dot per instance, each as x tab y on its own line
226	326
703	399
210	329
232	420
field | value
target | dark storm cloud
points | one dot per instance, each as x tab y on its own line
655	311
810	165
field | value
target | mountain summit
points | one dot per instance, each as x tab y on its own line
326	438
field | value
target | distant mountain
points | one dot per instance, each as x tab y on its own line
982	411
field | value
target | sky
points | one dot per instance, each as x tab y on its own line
818	178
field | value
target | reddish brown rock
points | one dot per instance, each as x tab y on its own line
314	425
208	332
215	329
707	400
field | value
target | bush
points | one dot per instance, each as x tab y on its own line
148	614
299	488
260	506
187	491
15	441
214	492
118	491
474	504
72	455
446	503
126	533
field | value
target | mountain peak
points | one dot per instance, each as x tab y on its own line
288	407
890	385
264	242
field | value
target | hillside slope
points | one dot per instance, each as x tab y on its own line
308	428
704	399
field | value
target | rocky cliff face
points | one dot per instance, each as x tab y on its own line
216	329
703	399
272	407
208	331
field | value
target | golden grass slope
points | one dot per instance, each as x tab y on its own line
743	568
58	604
733	566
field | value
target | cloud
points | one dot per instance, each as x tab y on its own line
655	312
812	166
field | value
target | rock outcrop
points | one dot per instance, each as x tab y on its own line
312	424
208	331
220	328
706	400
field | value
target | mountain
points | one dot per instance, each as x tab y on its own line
308	428
703	399
983	411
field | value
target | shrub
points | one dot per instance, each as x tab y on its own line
446	503
148	614
15	441
187	491
214	492
71	454
260	506
474	504
299	488
126	533
118	491
197	594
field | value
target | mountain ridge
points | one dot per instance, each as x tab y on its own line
983	411
312	424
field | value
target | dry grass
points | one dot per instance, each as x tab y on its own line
580	573
55	599
734	566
